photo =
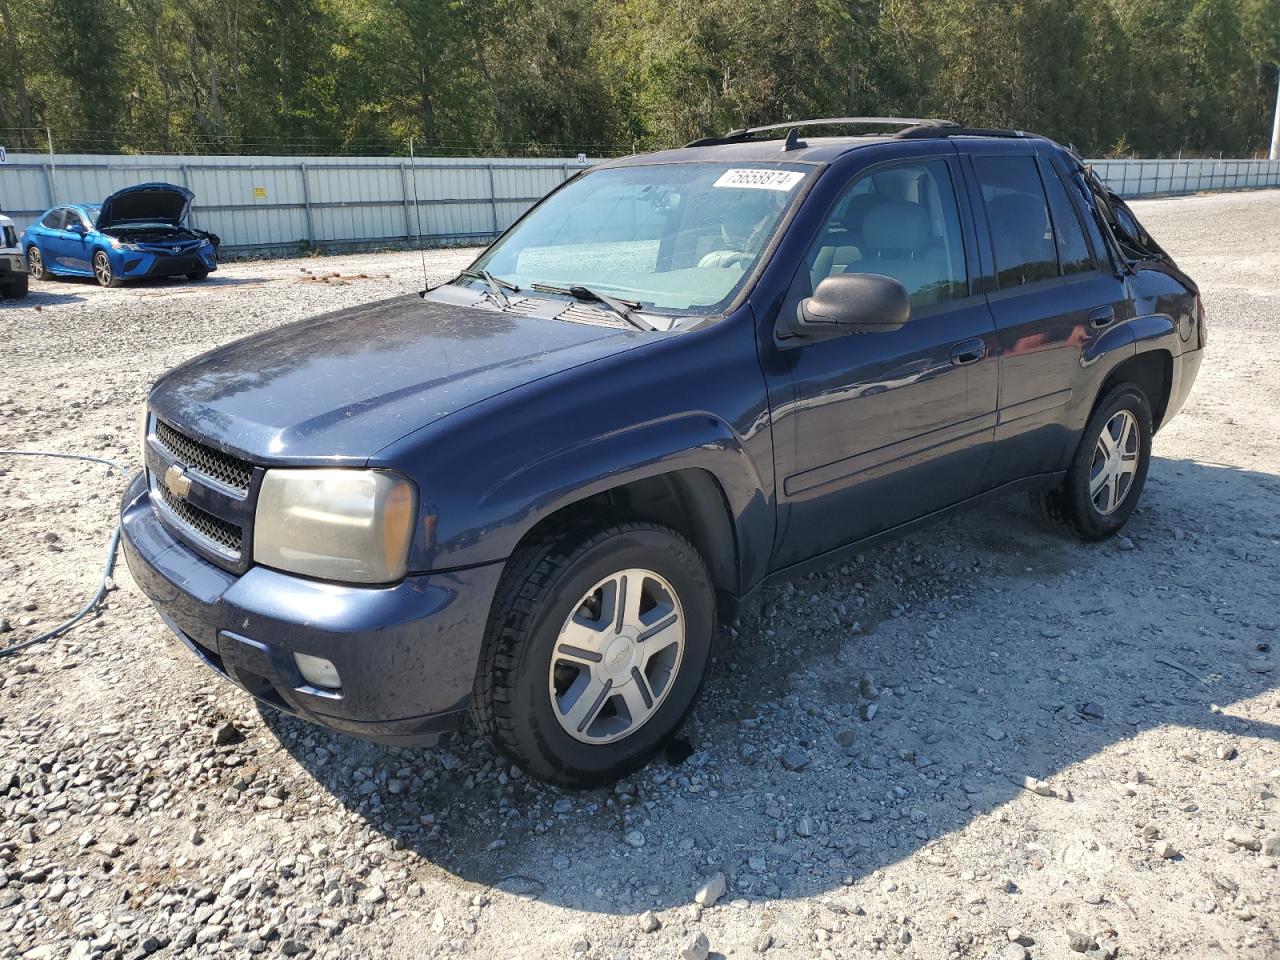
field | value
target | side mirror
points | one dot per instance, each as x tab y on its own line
76	227
850	303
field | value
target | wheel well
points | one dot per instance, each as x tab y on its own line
691	502
1153	373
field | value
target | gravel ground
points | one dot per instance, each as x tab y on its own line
980	741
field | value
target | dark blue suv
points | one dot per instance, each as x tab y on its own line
531	493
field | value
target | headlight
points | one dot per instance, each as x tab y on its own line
121	245
351	525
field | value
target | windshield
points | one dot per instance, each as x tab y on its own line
678	237
91	210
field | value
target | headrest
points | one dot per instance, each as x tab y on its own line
895	225
855	212
1023	216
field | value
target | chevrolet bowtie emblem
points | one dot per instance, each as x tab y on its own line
177	481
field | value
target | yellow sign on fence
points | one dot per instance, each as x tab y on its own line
259	193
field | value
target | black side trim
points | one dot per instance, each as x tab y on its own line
1041	481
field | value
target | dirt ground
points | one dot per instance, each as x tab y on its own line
1061	750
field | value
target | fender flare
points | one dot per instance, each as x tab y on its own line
570	475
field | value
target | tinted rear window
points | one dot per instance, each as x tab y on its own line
1073	250
1021	231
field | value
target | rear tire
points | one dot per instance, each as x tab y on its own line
16	288
1106	478
577	686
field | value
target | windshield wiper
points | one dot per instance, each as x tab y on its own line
623	308
497	286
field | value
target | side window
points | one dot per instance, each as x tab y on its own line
1021	231
72	219
53	219
1072	248
900	221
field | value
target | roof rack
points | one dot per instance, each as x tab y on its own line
746	133
933	130
915	129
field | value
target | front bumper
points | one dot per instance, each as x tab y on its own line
407	654
148	263
12	264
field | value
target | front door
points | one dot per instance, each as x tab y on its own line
65	247
873	430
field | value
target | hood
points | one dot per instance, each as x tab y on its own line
344	385
146	203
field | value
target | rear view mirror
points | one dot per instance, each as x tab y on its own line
851	303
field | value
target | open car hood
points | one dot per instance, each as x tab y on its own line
146	203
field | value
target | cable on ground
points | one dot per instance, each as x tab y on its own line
107	567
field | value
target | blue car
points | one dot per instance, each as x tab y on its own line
136	232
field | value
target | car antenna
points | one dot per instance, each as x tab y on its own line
417	212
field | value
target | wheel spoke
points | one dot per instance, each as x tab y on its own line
637	696
1099	481
661	635
1101	496
589	698
1126	431
1106	442
630	595
582	642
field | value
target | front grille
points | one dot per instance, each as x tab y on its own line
170	264
224	534
203	459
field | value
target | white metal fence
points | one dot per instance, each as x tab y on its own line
260	205
1146	178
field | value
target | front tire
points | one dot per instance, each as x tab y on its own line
103	272
595	650
1109	470
198	276
36	266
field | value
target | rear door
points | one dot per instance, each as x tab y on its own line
1052	294
51	238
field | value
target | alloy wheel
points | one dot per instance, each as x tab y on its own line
35	263
102	268
617	656
1115	463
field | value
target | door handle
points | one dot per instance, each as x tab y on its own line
968	351
1102	317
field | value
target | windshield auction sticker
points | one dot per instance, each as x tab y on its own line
760	179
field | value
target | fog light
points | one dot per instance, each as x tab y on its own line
318	671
